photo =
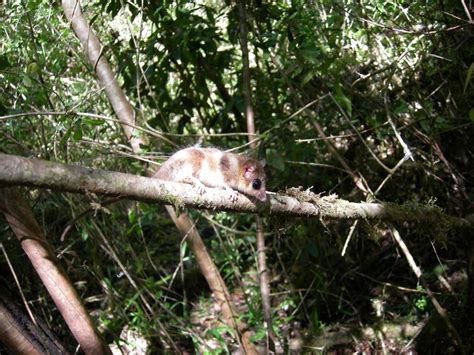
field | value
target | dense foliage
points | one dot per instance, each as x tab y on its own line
385	80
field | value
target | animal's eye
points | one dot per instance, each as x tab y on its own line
257	184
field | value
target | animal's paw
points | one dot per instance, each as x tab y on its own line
201	189
198	185
233	195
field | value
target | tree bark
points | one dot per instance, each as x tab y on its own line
23	223
21	335
21	171
264	277
125	113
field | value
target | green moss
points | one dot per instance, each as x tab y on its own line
429	219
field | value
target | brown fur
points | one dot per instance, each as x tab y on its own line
224	165
197	156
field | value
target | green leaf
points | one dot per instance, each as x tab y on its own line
33	4
315	321
65	137
93	122
27	81
421	303
275	160
308	76
471	114
77	134
425	125
401	107
132	216
441	123
84	235
439	269
343	100
468	76
311	55
259	335
4	63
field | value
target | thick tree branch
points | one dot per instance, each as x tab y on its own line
16	170
124	111
23	336
23	223
93	50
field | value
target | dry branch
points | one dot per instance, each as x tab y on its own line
15	170
23	336
125	113
23	223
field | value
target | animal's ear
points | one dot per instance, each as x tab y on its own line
263	162
249	169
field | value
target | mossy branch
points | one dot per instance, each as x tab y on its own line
15	170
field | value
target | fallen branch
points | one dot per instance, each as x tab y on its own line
15	170
36	247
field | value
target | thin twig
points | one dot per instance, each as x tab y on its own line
17	282
417	271
349	236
